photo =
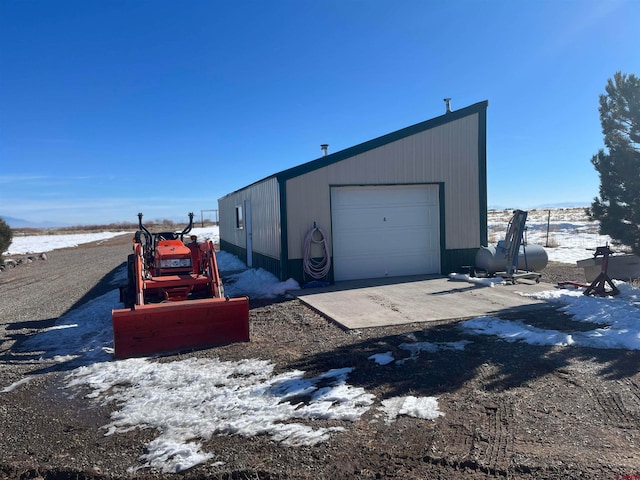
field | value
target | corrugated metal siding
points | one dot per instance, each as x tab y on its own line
226	211
265	213
447	153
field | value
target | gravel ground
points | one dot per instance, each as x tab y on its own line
511	410
35	294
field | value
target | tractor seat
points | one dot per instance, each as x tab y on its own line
166	236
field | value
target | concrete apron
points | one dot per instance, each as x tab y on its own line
401	300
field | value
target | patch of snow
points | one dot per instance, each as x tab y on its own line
487	282
228	262
618	316
382	358
46	243
513	331
416	348
17	384
207	233
419	407
258	284
199	398
82	336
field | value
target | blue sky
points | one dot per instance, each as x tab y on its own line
112	107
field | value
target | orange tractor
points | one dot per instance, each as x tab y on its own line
174	298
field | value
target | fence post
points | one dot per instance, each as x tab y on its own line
548	220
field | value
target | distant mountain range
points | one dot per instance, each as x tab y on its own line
21	223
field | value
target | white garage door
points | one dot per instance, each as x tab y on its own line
381	231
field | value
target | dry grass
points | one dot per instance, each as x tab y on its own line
552	242
573	214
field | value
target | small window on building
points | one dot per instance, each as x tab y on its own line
239	217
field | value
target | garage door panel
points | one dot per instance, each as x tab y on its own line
405	264
355	246
355	219
391	265
385	231
365	197
397	240
364	269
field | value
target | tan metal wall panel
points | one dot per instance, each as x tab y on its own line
308	201
266	219
447	153
226	212
265	213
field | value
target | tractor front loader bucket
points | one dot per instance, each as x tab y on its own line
173	326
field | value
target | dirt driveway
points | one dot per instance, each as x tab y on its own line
511	410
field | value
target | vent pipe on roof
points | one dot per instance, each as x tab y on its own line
447	102
324	148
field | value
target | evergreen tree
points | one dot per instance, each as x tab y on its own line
618	205
6	235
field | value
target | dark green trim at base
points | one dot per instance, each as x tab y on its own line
269	264
239	252
295	268
454	260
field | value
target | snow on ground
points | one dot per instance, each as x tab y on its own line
566	233
424	407
616	320
45	243
570	234
198	398
207	233
21	245
191	400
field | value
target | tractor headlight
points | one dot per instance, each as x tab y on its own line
175	263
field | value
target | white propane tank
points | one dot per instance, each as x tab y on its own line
493	259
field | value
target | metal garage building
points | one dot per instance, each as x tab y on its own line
410	202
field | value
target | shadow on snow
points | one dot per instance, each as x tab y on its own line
501	364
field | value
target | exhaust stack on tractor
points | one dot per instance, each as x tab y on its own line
174	298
